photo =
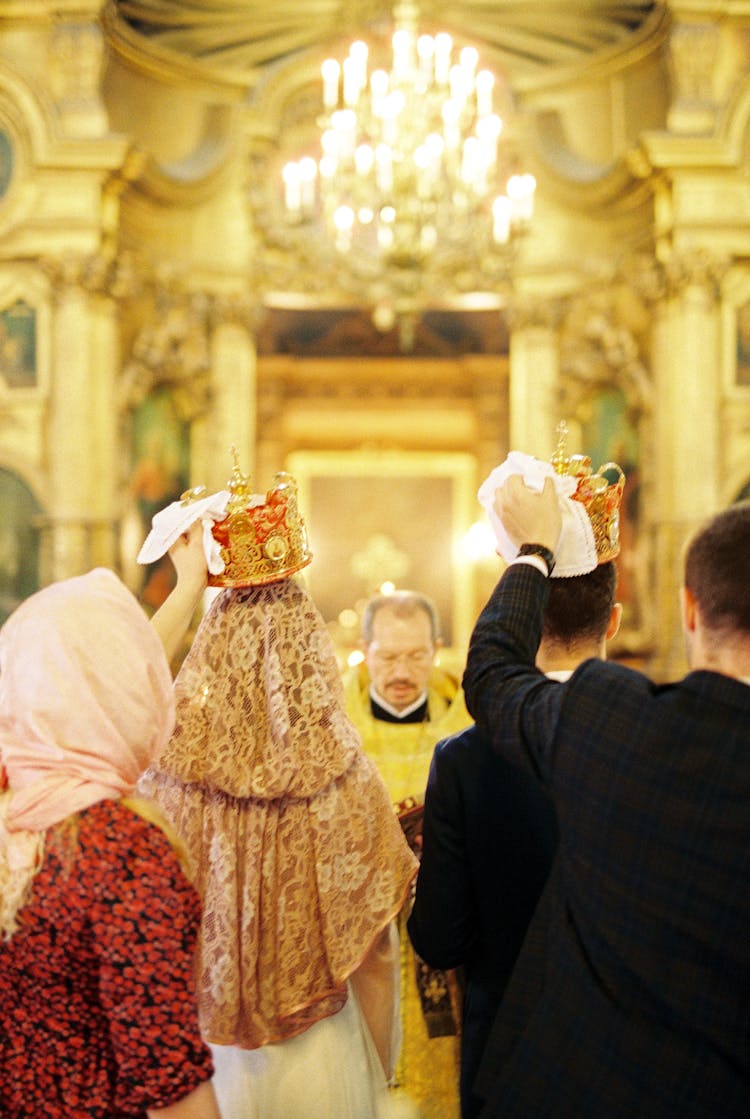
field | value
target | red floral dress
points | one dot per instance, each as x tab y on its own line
97	991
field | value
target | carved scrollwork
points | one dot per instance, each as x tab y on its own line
90	272
118	276
696	268
245	310
524	312
600	345
171	348
645	276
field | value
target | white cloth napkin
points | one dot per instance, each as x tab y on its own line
576	552
169	523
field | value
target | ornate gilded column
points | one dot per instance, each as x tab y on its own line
79	530
232	418
697	170
534	371
687	355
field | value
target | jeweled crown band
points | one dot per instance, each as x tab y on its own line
600	494
262	538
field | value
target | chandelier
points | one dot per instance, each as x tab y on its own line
415	193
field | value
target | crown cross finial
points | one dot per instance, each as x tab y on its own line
560	458
600	493
239	483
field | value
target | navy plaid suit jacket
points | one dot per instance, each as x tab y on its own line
643	1008
488	842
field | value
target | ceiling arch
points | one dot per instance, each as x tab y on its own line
242	37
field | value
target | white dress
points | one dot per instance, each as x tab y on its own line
331	1071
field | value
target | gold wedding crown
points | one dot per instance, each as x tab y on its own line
600	493
262	539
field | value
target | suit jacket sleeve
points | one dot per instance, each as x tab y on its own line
514	705
443	922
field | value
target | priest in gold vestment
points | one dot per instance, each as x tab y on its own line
403	704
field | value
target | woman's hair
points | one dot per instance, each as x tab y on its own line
580	606
716	569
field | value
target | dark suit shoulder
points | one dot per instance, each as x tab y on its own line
456	745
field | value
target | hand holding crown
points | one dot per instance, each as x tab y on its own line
588	504
248	538
529	515
188	555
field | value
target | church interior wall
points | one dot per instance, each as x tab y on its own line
126	228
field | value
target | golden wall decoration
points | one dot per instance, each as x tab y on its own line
398	516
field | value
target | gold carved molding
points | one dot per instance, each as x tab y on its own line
697	267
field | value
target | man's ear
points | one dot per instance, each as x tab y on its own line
688	609
614	621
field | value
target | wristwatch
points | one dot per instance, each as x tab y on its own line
539	550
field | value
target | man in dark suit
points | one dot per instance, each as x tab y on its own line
644	1006
487	821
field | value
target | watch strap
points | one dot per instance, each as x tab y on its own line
539	550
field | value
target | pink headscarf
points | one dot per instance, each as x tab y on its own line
86	702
